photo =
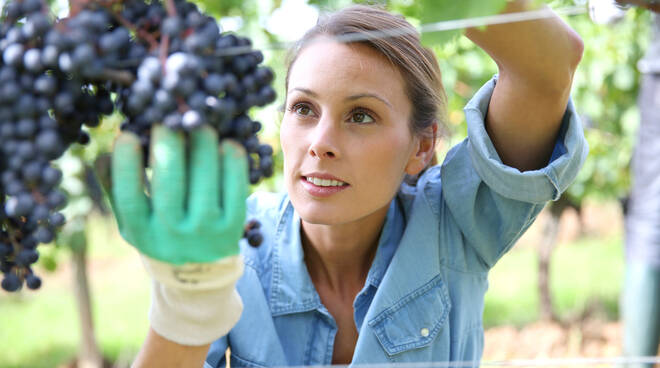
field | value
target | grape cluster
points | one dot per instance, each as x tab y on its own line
184	84
160	60
41	114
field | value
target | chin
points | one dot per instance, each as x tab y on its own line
320	214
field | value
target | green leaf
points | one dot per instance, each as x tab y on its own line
434	11
220	8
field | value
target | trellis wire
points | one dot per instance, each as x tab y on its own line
541	362
446	25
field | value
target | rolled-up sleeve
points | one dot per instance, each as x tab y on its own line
492	203
536	186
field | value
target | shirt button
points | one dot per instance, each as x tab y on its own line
424	332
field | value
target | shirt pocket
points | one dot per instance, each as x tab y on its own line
414	321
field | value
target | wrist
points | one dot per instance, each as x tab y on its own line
195	276
194	304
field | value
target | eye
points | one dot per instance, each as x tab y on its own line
302	109
361	117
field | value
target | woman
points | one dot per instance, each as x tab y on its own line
356	265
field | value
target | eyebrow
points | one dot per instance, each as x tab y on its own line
349	98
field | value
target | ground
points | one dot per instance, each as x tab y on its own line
591	338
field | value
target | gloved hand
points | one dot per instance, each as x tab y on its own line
187	228
196	209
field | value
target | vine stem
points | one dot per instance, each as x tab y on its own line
120	76
165	39
171	8
12	239
164	49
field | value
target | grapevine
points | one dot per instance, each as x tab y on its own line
155	62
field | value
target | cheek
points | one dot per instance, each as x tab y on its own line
389	157
290	142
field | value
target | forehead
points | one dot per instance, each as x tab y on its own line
331	67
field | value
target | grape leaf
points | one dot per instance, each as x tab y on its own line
433	11
220	8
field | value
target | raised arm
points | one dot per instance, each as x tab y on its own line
536	61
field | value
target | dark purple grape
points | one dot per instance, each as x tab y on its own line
191	119
44	235
33	282
51	176
264	75
11	282
251	144
255	176
31	6
265	150
266	95
32	171
13	55
83	138
27	257
82	55
49	143
254	237
56	219
32	60
40	212
214	84
5	249
173	121
266	166
56	199
172	26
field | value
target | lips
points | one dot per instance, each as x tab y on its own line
325	182
324	179
322	185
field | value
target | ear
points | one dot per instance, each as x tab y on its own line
424	151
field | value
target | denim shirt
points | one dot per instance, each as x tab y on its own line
424	294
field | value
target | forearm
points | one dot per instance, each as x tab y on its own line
158	351
536	61
543	52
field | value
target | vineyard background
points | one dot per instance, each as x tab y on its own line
42	328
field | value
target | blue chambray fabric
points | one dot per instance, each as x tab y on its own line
424	295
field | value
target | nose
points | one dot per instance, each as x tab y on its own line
325	139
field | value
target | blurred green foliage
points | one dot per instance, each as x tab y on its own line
604	88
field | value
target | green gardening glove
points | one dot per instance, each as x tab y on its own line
195	209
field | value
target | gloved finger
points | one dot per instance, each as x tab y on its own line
130	204
234	185
204	177
168	183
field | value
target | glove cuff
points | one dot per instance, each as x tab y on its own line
194	304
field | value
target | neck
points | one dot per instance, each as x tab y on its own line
338	257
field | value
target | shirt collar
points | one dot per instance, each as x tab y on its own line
292	290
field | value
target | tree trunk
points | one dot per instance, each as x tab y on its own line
89	355
544	251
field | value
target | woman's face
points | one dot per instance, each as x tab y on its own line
345	133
